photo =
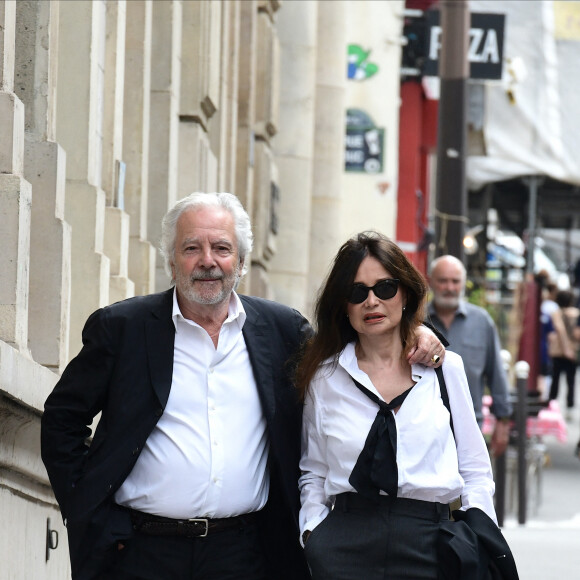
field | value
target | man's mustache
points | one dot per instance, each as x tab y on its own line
211	275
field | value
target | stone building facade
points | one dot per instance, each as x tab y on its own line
110	111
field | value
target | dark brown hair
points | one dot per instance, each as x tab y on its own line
333	329
564	298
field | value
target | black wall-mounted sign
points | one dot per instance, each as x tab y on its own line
364	143
485	50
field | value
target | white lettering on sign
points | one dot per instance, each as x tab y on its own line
354	156
475	36
355	141
488	52
435	42
490	49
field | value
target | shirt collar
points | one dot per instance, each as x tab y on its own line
236	311
348	361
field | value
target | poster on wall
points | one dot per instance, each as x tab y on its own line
364	143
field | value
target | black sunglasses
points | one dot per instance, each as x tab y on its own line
383	290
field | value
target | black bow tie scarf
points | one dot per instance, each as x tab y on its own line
376	467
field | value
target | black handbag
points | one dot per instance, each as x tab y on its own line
471	545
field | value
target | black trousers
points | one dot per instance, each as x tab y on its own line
568	367
391	539
233	554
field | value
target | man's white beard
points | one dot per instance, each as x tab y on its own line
448	302
186	286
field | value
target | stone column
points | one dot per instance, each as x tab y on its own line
229	96
164	120
80	132
246	89
44	168
297	29
116	240
328	166
26	501
200	96
244	141
113	97
15	194
265	124
136	141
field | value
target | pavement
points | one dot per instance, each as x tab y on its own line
547	545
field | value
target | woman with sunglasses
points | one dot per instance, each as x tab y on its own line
380	464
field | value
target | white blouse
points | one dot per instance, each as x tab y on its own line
432	465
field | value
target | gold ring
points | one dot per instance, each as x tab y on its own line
435	359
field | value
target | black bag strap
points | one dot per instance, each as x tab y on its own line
445	396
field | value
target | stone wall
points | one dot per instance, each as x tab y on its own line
110	111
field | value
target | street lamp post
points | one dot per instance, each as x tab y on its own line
451	200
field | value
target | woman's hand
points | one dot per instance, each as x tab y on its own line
428	350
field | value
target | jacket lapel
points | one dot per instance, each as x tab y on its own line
160	338
258	342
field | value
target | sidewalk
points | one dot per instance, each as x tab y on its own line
547	546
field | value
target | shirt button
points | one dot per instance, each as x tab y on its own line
210	371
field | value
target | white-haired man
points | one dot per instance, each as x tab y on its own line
472	334
192	471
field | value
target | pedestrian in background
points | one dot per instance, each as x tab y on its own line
380	465
577	337
563	347
548	306
473	335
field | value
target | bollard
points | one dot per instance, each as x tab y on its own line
506	360
500	462
522	369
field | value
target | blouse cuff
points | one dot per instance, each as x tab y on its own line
311	524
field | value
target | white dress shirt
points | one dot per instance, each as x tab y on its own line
432	465
207	456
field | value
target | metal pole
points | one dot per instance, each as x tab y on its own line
500	462
532	183
451	194
522	369
500	477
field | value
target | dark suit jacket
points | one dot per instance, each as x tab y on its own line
473	548
124	371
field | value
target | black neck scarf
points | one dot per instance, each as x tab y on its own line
376	466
